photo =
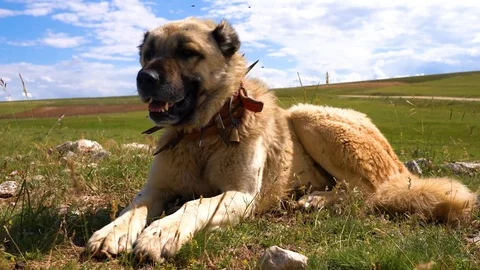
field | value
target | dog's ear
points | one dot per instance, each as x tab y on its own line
227	38
145	36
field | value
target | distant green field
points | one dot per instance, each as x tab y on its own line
19	106
450	85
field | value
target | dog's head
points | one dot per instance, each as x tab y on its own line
189	68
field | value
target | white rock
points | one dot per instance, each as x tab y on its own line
135	146
38	177
100	155
463	167
70	155
87	146
8	189
413	167
81	146
276	258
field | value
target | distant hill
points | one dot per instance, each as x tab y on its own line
462	84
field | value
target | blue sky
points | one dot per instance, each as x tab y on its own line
82	48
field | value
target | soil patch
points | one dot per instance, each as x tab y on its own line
74	110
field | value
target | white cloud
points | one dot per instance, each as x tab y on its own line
74	78
349	38
62	40
46	79
476	39
283	52
118	26
27	43
7	13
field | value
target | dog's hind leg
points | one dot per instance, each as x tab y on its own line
346	144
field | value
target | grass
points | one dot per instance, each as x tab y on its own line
465	84
63	201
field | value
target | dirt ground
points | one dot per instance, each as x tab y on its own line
74	110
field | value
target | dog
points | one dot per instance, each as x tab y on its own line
230	151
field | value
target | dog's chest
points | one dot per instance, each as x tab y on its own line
185	167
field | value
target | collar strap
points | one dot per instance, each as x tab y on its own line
225	123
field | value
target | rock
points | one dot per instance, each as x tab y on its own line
135	146
38	177
8	189
463	167
20	265
101	155
81	146
279	258
92	165
413	167
70	155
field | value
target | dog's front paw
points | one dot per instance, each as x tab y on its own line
114	238
162	239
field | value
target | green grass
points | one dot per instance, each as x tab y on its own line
25	105
49	222
450	85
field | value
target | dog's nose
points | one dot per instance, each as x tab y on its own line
147	79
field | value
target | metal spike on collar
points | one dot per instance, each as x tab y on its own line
251	66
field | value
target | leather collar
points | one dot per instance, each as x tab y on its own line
224	124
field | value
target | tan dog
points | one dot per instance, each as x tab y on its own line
228	156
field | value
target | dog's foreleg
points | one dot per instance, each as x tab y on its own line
119	235
164	237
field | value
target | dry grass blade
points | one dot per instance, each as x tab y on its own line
3	84
25	92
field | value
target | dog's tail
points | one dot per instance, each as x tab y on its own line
441	199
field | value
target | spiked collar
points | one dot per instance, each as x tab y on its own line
224	124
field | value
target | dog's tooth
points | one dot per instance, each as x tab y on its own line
166	106
149	100
162	110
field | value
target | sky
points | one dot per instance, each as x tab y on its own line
80	48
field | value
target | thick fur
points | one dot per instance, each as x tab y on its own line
279	151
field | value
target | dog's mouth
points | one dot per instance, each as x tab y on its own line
159	106
171	112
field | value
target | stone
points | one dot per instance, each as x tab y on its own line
82	146
413	167
100	155
463	167
278	258
135	146
8	189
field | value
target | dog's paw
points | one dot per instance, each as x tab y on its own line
162	239
315	200
114	238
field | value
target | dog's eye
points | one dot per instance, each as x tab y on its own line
187	53
148	55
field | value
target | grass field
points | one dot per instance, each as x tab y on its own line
48	224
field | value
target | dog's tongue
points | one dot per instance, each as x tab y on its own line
156	106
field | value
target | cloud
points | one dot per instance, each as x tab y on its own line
46	79
349	38
27	43
7	13
73	78
118	26
62	40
